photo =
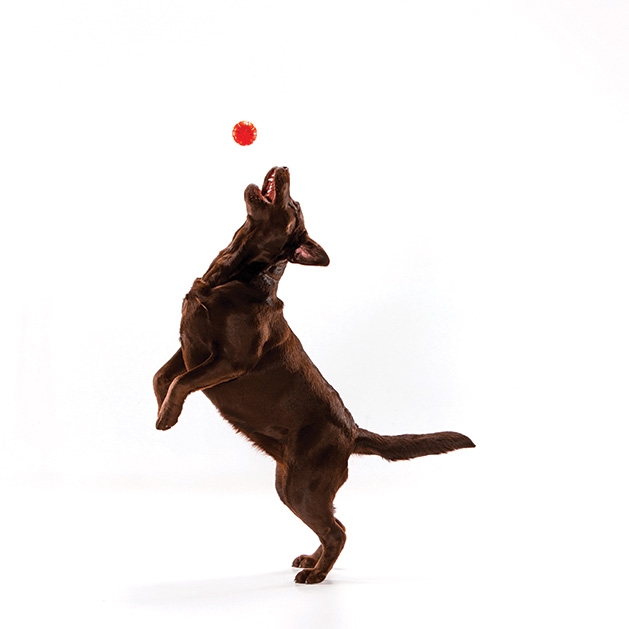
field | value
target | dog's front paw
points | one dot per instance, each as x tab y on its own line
167	417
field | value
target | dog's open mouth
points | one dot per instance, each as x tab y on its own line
278	176
268	188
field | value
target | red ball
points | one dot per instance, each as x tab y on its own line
244	133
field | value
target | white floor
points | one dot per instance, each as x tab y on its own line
444	546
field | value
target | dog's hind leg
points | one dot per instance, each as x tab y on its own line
163	378
310	561
308	492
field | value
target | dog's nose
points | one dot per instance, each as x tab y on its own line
286	169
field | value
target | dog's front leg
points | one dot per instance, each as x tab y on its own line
208	374
163	378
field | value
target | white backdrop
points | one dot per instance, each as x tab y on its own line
465	167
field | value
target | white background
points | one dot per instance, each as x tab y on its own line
465	166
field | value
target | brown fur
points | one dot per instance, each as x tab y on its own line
237	348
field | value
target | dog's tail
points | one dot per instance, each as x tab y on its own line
402	447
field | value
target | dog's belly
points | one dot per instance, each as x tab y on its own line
276	399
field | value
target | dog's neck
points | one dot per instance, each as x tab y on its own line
268	279
263	278
243	259
276	271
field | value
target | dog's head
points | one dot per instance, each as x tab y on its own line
277	223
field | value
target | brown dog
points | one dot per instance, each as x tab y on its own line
237	348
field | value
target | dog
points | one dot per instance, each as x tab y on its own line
236	347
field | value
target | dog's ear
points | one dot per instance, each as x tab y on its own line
310	253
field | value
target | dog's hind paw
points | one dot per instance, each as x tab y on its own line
310	576
305	561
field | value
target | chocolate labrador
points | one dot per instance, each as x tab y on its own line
237	348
